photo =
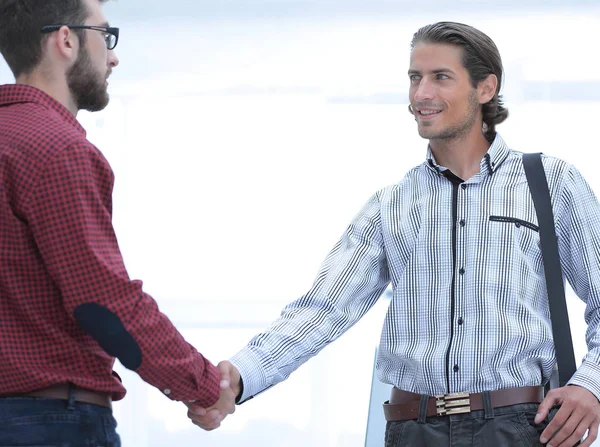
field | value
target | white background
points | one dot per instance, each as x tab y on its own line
244	137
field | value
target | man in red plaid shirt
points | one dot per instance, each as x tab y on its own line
67	304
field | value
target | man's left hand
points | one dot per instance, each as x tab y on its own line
579	412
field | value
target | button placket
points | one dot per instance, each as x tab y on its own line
460	287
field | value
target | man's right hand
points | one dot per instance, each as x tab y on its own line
211	418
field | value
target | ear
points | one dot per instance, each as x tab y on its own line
486	89
63	43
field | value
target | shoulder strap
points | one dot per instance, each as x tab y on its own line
563	342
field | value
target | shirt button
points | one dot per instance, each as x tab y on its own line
462	222
462	271
460	321
456	368
463	186
167	391
517	224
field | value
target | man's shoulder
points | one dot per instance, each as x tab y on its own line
33	138
417	175
554	167
32	131
517	154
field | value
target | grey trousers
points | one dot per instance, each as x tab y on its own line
493	427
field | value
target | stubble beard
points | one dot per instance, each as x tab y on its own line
456	131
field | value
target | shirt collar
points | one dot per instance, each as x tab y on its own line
490	162
21	93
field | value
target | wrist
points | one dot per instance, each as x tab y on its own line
238	390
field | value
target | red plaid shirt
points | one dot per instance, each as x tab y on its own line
58	250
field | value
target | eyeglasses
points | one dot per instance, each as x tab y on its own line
111	35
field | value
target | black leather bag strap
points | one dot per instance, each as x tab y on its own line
563	342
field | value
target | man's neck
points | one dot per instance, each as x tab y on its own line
461	155
57	90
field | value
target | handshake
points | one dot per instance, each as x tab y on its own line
230	385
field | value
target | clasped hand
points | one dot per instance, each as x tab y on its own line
211	418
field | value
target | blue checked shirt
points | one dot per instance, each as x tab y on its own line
469	310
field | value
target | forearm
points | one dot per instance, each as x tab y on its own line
351	279
133	330
588	373
306	326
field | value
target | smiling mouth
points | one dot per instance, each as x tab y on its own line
428	113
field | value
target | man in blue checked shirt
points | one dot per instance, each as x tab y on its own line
458	240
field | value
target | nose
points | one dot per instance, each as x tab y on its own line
424	91
113	60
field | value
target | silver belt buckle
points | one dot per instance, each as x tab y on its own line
454	403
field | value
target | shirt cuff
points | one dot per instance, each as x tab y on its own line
587	376
253	376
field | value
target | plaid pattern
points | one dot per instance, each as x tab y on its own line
469	309
58	250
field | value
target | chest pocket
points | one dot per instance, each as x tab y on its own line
516	238
517	222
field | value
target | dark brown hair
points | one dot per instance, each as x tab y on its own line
480	58
21	22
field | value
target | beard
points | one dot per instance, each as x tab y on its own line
86	84
457	130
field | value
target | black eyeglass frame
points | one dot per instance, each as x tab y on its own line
105	29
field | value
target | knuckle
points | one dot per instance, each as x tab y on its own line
578	434
571	429
193	416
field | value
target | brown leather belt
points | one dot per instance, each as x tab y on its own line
61	391
404	405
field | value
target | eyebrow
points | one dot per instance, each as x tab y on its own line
436	71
